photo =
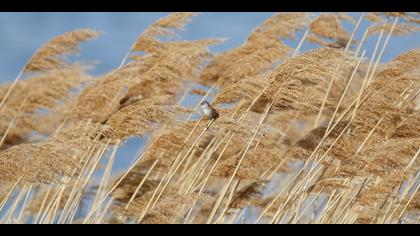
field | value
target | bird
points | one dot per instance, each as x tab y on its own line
209	111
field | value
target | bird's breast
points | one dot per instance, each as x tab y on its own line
207	111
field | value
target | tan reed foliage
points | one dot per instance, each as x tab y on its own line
294	124
254	166
199	92
395	153
386	89
409	128
48	161
388	161
167	211
143	117
4	189
243	90
137	206
382	159
167	75
378	193
372	203
140	80
248	195
303	80
415	203
170	208
266	36
263	167
160	72
328	26
303	148
412	17
148	41
400	29
101	98
50	56
251	65
31	96
128	186
170	139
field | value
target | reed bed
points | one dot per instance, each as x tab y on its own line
327	135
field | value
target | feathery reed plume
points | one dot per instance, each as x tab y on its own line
137	207
248	194
401	29
251	65
139	80
50	55
303	149
243	90
386	90
160	72
128	186
50	61
167	75
328	26
415	203
371	204
23	113
148	41
144	116
303	80
50	160
390	156
102	97
170	208
199	92
253	167
409	128
266	36
392	162
381	160
373	17
381	16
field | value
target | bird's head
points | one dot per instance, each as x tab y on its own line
204	104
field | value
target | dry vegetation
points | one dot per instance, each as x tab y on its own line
329	135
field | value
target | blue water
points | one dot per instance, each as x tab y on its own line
22	33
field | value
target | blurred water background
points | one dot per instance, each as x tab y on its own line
22	33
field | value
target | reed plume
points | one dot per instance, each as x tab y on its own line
50	56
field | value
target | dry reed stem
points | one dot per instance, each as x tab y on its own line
41	208
141	184
7	196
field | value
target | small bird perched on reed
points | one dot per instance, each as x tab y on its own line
209	112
